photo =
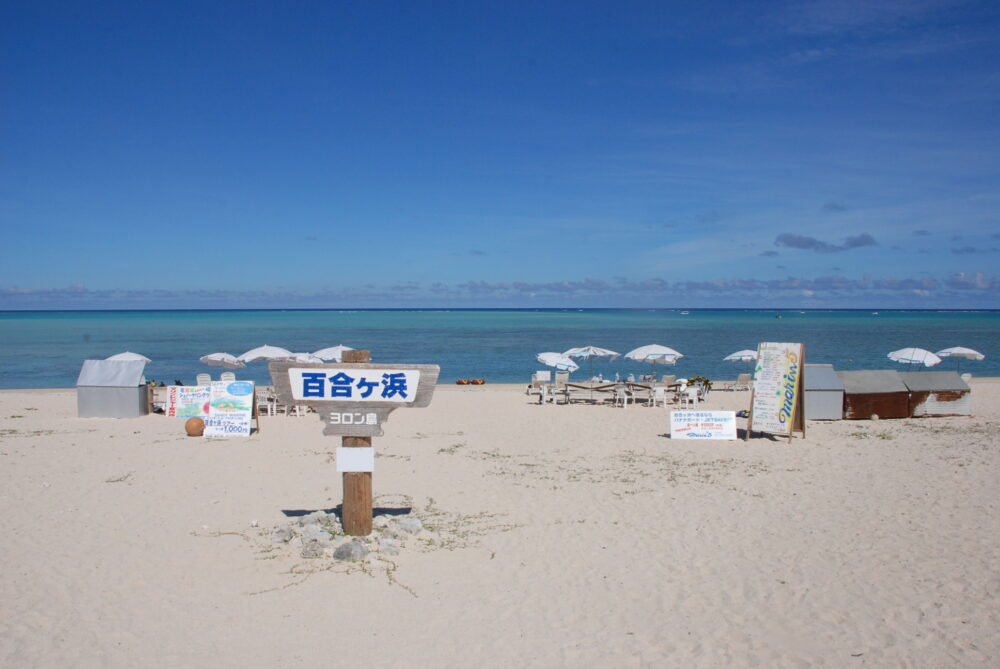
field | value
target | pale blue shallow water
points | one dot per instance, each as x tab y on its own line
46	349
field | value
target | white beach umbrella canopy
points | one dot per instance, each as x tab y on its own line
554	359
591	352
128	355
654	353
332	353
746	355
914	356
960	352
266	352
220	359
305	357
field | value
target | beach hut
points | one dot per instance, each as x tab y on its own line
937	394
111	389
824	392
877	392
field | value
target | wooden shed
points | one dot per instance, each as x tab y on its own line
824	393
878	392
937	394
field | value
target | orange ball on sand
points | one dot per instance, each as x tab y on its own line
195	427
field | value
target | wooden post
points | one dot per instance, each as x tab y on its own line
357	506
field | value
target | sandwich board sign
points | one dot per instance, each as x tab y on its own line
354	399
230	409
776	403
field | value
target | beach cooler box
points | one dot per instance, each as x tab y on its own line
824	392
937	394
111	389
877	391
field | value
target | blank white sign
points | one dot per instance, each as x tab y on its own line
355	459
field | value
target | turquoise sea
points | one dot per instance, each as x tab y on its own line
46	349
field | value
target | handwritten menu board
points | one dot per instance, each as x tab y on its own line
777	387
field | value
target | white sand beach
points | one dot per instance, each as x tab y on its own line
555	536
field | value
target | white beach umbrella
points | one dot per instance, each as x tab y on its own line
305	357
333	353
654	354
558	360
960	352
914	356
220	359
265	352
589	353
128	355
746	355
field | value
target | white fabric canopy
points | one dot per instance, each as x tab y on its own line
305	357
914	356
591	352
746	355
128	355
960	352
654	353
266	352
557	360
332	353
220	359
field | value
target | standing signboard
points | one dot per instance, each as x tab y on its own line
776	403
188	401
702	424
354	399
230	410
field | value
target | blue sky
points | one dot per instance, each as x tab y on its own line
435	154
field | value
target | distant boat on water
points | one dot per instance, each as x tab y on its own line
685	313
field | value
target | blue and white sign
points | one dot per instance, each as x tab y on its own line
703	425
231	409
351	384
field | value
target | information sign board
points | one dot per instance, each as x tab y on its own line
703	425
777	388
188	401
231	409
354	399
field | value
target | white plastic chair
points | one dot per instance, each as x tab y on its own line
227	376
659	394
690	397
623	397
203	380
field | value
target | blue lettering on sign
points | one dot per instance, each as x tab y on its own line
313	384
340	385
366	387
394	384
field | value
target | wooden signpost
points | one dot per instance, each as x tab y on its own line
354	398
777	400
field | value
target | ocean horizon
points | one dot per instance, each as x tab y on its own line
45	349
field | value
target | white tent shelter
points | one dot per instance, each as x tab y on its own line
111	389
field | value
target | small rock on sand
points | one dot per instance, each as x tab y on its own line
281	534
312	549
352	550
410	525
